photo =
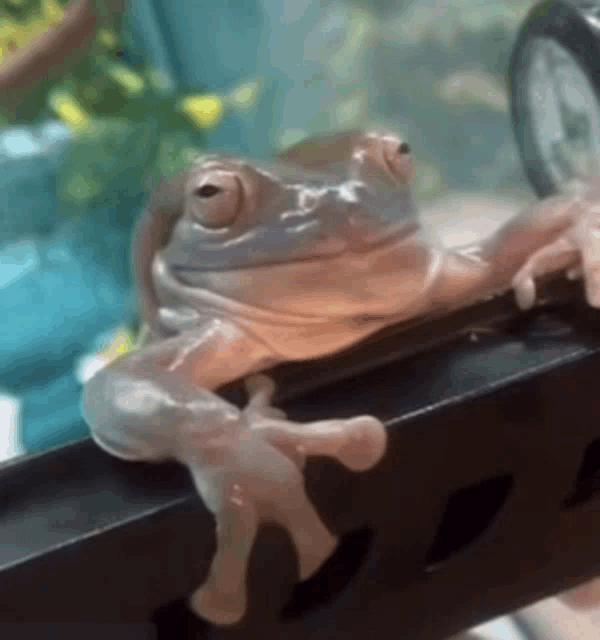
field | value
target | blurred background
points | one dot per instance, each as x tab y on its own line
156	81
135	90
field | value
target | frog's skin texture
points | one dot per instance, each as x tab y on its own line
240	267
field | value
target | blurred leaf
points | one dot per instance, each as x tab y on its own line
12	37
108	38
245	95
289	137
122	343
91	93
66	107
30	20
351	111
203	111
177	151
131	82
81	188
103	158
161	81
362	32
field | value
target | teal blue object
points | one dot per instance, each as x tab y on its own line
61	284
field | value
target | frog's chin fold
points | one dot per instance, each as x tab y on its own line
388	236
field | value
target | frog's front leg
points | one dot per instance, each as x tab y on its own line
556	256
577	249
554	234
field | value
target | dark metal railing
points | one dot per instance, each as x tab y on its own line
485	501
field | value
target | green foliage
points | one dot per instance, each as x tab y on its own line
135	134
115	161
130	131
97	158
23	11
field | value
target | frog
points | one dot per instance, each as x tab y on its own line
242	265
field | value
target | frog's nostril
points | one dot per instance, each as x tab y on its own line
404	148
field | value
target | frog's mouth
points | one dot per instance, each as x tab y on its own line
257	250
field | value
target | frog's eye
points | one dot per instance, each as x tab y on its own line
382	157
397	158
215	199
207	191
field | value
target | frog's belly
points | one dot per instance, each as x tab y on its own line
302	342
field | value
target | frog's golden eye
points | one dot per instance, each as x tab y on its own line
382	157
215	198
397	159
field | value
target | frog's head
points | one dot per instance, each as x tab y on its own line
338	194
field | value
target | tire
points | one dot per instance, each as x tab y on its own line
554	86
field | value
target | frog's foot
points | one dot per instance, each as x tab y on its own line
271	490
553	257
358	443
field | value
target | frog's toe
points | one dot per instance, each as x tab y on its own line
592	286
312	556
367	440
274	413
575	273
216	607
260	385
524	288
261	389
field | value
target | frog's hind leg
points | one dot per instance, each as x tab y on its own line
222	597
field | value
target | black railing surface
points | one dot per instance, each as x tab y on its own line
486	500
